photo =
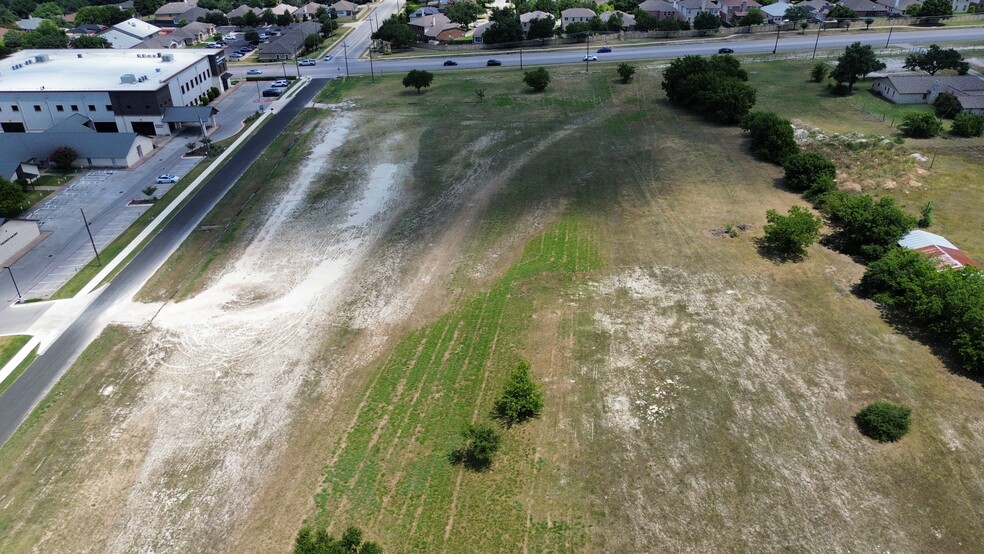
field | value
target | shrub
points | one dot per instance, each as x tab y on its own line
520	400
790	234
884	421
821	187
772	136
868	227
947	105
63	157
819	72
968	125
714	87
625	72
920	125
805	169
537	79
481	442
926	215
317	542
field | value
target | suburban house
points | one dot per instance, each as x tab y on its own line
865	8
168	13
628	21
734	9
129	33
923	89
188	35
818	8
344	8
436	27
281	9
242	10
775	13
690	8
898	6
308	10
426	10
29	24
936	247
660	9
85	30
576	15
526	18
478	34
961	6
289	44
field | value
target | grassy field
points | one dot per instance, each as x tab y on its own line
699	397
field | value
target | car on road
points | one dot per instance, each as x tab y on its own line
493	62
328	58
280	83
590	59
450	62
725	51
254	71
604	50
235	56
167	178
307	62
272	92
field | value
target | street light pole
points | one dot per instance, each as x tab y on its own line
87	230
778	28
587	52
345	47
16	288
520	59
889	36
296	66
372	74
817	43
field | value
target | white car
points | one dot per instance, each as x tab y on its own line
254	71
307	62
328	58
167	178
279	83
589	59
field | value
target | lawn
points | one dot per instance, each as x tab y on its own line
699	397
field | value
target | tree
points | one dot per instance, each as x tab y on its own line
480	443
48	10
540	28
790	234
797	13
521	399
947	105
856	62
913	10
805	169
772	136
252	35
726	99
147	7
505	27
309	541
935	58
920	125
101	15
819	72
351	539
707	21
328	27
625	72
396	32
268	17
418	79
614	23
968	125
869	227
464	12
63	157
934	10
841	13
12	198
284	19
926	215
311	42
537	79
22	8
867	22
884	421
754	17
90	41
579	29
215	18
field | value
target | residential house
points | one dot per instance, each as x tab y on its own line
344	8
189	35
735	9
478	34
436	27
576	15
526	18
167	13
29	24
690	8
308	10
289	44
129	33
426	10
936	247
865	8
242	10
818	8
961	6
85	30
775	13
281	9
628	20
660	9
923	89
191	15
897	7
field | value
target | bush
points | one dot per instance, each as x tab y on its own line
968	125
537	79
867	227
920	125
520	400
63	157
13	199
947	105
805	169
884	421
772	136
790	234
318	542
481	442
819	72
926	215
625	72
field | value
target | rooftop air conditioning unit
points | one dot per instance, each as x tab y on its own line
41	58
128	79
79	55
167	58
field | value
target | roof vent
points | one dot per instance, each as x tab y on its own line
128	78
157	69
79	55
167	58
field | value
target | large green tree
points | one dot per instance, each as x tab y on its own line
101	15
707	21
541	28
396	31
505	27
797	13
537	79
90	41
935	58
418	79
857	61
464	12
841	13
934	10
772	136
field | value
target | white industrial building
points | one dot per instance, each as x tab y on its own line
129	91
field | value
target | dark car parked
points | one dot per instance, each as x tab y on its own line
272	92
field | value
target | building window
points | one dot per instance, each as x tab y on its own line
60	108
92	107
109	107
37	108
15	108
75	108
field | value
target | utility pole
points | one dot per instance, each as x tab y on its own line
16	288
520	59
776	47
817	43
296	66
587	52
889	36
372	74
345	47
87	230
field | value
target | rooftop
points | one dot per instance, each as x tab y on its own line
97	69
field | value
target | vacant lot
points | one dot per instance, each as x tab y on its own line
313	351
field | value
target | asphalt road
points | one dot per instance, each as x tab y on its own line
27	391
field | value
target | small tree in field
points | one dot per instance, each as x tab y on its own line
857	61
920	125
819	72
625	72
418	79
481	442
537	79
521	399
968	125
63	157
805	169
790	234
772	136
884	421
